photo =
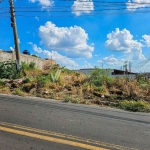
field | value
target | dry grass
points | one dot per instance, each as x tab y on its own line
77	88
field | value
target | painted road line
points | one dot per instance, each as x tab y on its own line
65	136
51	139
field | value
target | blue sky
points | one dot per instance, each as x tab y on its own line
81	33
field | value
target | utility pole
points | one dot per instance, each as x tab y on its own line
13	25
130	65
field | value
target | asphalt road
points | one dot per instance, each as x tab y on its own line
42	124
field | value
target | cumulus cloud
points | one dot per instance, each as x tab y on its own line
60	59
87	65
71	40
146	40
132	5
110	60
122	41
82	6
43	3
37	49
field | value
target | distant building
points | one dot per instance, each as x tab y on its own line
111	72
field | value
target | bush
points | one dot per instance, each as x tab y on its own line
18	91
42	80
135	106
109	81
8	70
99	76
28	79
30	66
65	70
68	99
2	83
74	100
102	89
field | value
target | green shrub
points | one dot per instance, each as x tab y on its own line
109	81
136	106
68	99
26	66
19	91
71	99
42	80
101	89
8	70
32	66
2	83
28	79
99	76
65	70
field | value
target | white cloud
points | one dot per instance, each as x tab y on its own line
122	41
63	60
71	40
19	41
110	60
11	48
82	6
146	40
37	49
87	65
55	56
44	3
132	5
29	43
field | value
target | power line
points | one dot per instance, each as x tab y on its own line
83	15
80	10
110	2
103	2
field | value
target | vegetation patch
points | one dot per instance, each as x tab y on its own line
60	83
136	106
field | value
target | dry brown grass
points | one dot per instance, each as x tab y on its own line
78	88
5	90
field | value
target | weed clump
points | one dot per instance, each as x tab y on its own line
135	106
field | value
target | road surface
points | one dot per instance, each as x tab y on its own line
42	124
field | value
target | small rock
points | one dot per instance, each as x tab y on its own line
32	91
46	92
18	80
5	80
8	85
65	90
103	96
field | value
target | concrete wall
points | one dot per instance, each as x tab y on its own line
5	56
129	76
